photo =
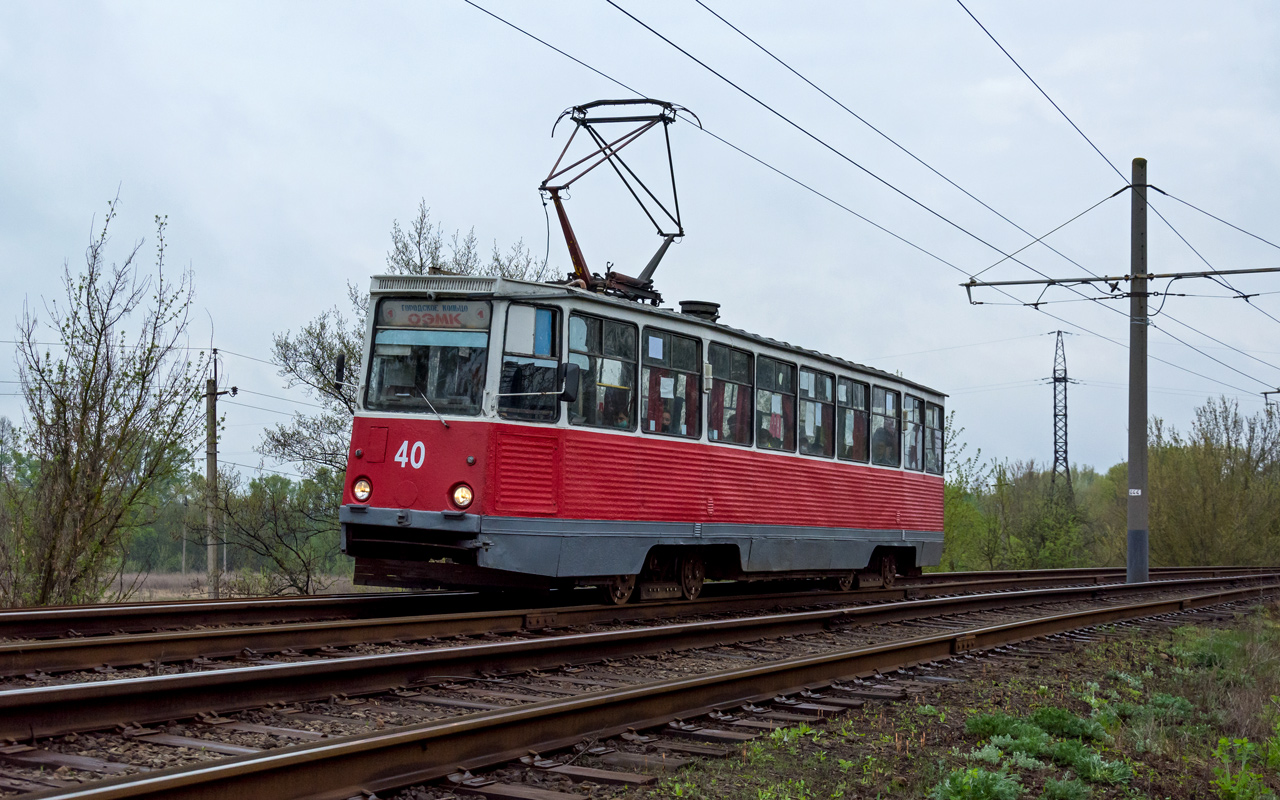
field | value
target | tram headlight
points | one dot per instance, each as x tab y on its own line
462	495
362	489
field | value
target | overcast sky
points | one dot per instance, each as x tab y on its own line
282	140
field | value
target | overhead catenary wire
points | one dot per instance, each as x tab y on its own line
960	346
259	408
1116	169
265	469
1194	207
757	159
819	140
904	149
278	397
845	157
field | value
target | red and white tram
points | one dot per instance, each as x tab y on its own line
518	434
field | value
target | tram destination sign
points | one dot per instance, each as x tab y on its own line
447	314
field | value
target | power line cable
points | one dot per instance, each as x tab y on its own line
1007	256
957	347
242	355
264	469
1115	169
259	408
1216	217
780	172
901	147
836	151
278	397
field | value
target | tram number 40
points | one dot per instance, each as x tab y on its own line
413	456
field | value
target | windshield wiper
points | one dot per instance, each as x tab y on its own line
433	408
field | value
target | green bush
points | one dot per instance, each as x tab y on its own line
1088	764
977	784
1023	738
1061	722
1235	781
984	725
1065	790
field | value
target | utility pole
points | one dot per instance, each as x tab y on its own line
1139	500
1061	464
211	477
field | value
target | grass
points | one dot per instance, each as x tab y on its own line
1192	713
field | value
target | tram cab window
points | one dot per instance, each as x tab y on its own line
429	355
530	361
817	413
852	418
670	384
933	438
729	404
606	352
886	438
913	433
775	405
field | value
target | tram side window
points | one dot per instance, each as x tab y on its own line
429	356
817	414
530	361
775	405
670	385
729	409
606	352
913	432
852	398
886	439
933	438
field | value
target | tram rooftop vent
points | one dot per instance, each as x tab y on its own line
435	283
701	309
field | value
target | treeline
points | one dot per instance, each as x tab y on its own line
1214	493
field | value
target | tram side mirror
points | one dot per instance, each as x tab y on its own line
340	371
570	377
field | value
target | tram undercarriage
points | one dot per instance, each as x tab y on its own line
642	560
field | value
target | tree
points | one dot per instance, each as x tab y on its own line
110	421
1215	492
288	528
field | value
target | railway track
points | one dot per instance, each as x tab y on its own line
486	701
257	643
112	619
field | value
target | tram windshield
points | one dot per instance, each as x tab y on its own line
429	356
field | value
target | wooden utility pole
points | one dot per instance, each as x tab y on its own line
1139	501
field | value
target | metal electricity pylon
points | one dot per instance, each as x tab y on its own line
1061	464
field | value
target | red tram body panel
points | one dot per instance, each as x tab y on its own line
558	473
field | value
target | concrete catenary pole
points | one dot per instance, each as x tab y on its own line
1139	500
211	482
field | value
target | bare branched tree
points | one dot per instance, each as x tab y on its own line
110	419
290	529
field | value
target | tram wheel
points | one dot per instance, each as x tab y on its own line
692	572
619	590
846	582
888	569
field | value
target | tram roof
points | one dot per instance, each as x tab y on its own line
512	289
